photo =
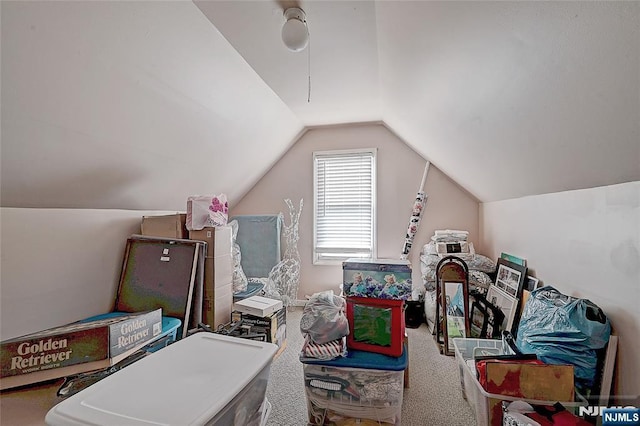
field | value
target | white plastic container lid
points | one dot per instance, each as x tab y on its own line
186	383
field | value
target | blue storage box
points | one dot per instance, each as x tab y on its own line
365	383
378	278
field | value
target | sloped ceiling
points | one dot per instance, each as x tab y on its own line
130	105
140	104
508	98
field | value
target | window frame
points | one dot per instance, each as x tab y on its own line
318	259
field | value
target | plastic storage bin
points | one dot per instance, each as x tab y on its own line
473	392
203	379
262	416
363	385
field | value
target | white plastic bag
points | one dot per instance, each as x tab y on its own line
240	281
207	211
324	318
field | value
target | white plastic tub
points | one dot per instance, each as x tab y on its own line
472	390
203	379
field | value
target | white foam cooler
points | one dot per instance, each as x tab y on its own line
203	379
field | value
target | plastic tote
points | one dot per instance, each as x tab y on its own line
363	385
203	379
480	400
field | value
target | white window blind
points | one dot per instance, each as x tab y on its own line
344	209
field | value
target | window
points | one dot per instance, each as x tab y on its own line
344	208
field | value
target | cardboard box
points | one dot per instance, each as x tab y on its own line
218	239
222	270
218	273
274	326
214	283
258	306
169	226
217	306
222	305
75	348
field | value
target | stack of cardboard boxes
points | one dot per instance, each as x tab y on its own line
218	268
218	274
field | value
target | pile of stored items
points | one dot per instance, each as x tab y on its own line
355	355
158	299
561	359
527	353
446	243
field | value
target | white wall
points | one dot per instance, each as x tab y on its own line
129	105
399	172
585	243
60	265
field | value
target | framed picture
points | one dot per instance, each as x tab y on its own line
377	325
531	283
485	319
510	277
513	259
455	302
506	303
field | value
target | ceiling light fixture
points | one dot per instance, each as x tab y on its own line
295	33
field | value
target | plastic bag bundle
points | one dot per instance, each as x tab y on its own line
324	318
562	329
240	281
207	211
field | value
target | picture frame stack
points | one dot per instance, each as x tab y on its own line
507	291
485	318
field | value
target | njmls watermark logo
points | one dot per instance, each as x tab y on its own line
621	416
613	416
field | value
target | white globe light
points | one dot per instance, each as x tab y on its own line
294	31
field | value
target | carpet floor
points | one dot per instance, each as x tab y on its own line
433	397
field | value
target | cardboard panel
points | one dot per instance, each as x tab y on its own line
168	226
539	382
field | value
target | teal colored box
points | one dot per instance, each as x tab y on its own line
168	335
377	278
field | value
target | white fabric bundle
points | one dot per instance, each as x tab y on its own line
449	235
